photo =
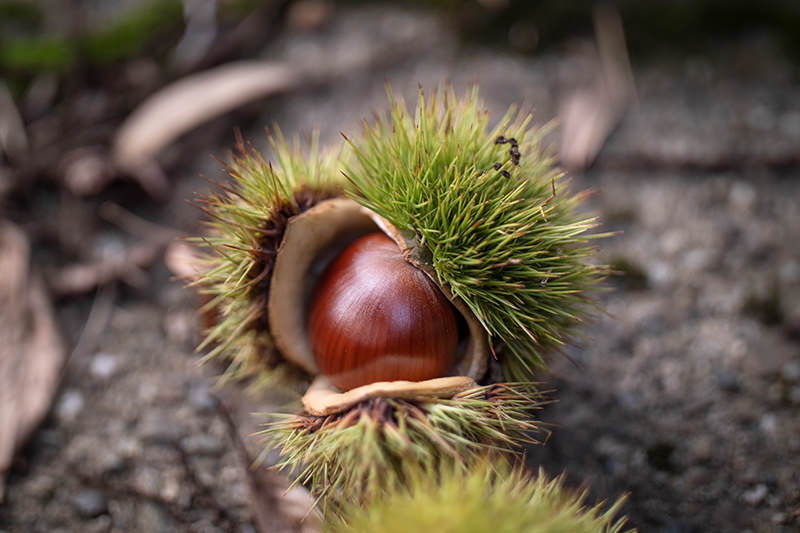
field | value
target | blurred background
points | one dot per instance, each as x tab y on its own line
683	116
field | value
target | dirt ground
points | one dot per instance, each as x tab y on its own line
685	394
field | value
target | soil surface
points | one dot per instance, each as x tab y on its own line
686	395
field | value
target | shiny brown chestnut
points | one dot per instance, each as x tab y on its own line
375	317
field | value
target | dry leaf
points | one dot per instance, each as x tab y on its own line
191	101
31	351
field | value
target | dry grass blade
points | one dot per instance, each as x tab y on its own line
126	266
276	508
13	139
31	354
591	112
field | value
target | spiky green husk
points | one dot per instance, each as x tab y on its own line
512	247
484	497
352	456
247	220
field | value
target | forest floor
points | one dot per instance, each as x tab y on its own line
685	395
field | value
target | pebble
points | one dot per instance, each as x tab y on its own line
43	486
696	260
170	485
201	444
152	517
742	196
69	405
201	398
660	273
794	395
179	327
755	495
790	272
101	524
791	371
159	429
728	381
109	461
769	424
128	447
147	480
103	366
701	449
90	503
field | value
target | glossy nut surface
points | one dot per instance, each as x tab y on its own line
374	317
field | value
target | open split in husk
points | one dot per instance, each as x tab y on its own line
311	241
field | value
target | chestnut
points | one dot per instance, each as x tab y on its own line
355	303
375	317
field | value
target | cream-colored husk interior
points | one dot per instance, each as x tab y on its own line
311	240
323	399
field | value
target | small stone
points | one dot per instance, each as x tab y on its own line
101	524
631	401
90	503
201	398
790	272
696	260
69	405
660	273
153	517
728	381
171	485
179	327
147	480
769	424
103	366
791	371
201	444
159	429
742	196
148	392
779	517
43	486
794	395
109	461
755	495
701	449
128	448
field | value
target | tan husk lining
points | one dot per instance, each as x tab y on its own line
311	240
323	399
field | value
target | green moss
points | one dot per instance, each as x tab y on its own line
20	12
130	34
35	54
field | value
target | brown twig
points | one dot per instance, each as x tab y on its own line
275	507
